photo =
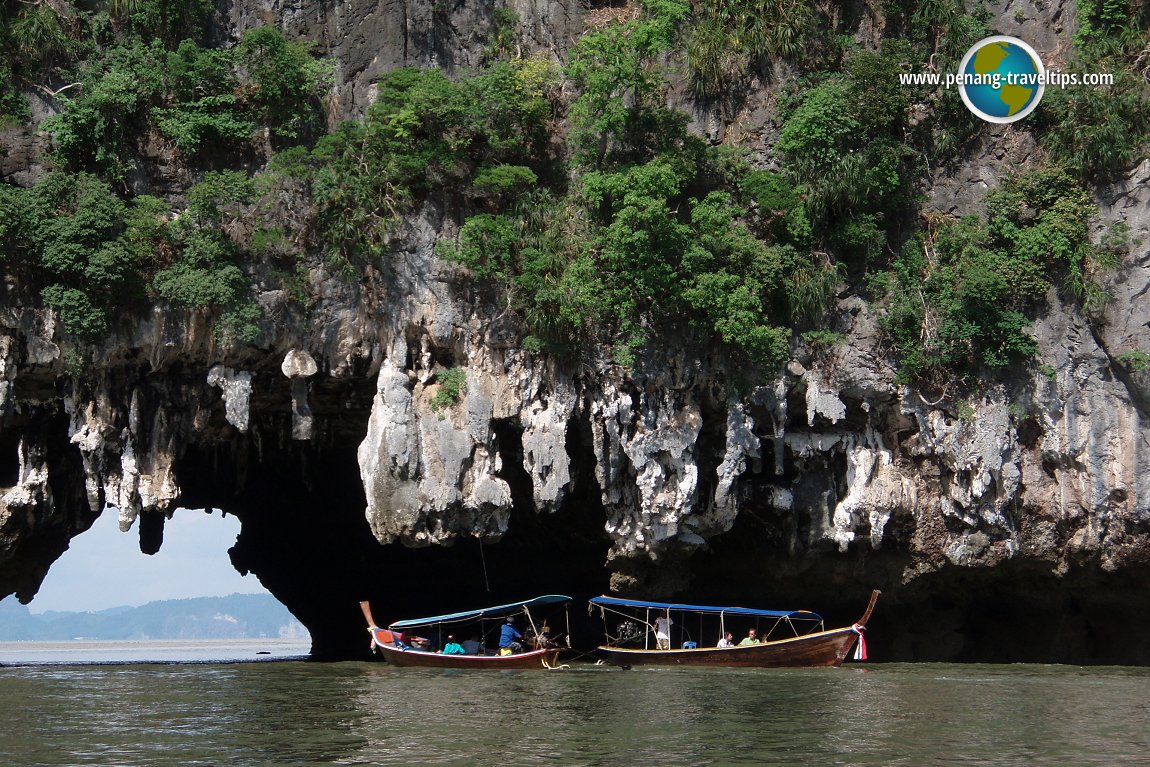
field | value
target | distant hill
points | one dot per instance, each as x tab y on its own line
238	616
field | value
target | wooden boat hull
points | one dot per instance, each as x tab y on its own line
824	648
417	658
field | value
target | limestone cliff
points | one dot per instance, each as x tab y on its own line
577	474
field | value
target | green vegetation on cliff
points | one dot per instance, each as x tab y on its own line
210	104
479	139
656	227
80	238
86	247
1101	132
97	257
962	292
584	204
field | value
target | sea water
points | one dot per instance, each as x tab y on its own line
291	712
84	651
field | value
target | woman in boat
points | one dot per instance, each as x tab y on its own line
451	647
726	640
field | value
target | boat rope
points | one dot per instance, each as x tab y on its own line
483	559
549	667
860	648
531	622
582	655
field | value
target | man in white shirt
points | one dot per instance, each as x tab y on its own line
663	631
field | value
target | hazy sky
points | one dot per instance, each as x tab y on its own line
104	567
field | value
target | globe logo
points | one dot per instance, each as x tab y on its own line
1001	79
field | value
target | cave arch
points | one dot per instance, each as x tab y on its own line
305	535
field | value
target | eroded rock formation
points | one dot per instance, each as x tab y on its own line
1027	508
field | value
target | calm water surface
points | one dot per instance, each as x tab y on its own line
296	713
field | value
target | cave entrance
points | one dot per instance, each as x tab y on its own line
105	569
306	536
556	551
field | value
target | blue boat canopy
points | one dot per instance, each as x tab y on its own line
795	614
486	612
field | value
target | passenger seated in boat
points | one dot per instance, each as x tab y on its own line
751	638
451	647
508	638
412	642
727	640
472	646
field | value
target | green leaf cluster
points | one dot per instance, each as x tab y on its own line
486	135
283	84
726	41
634	250
84	246
940	32
166	21
202	100
620	113
500	182
660	231
1134	360
452	385
961	296
206	272
1107	27
33	38
537	250
1100	132
843	146
94	257
100	126
501	44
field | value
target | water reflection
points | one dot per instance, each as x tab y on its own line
245	714
303	714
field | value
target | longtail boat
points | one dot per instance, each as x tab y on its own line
401	643
793	638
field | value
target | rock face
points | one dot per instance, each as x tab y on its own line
367	39
354	478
